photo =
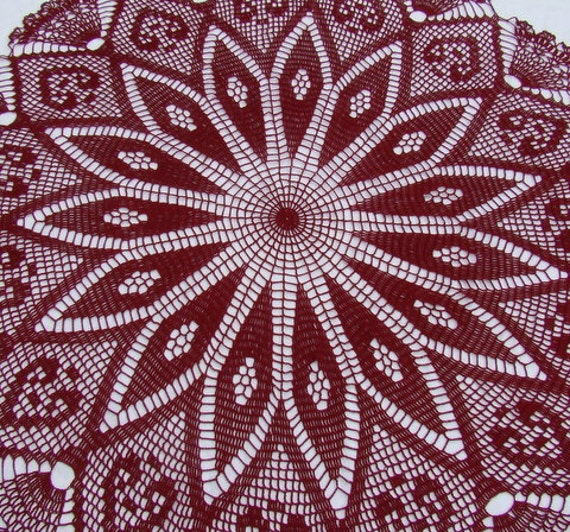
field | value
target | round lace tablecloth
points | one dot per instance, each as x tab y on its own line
268	265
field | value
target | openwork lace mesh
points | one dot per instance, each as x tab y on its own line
272	265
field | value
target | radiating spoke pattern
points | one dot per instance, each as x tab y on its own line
281	270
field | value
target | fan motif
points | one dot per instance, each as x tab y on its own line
268	265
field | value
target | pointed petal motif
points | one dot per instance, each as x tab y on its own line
465	192
143	161
128	403
124	288
444	320
107	219
438	427
235	87
239	399
451	254
543	222
330	448
460	259
365	94
301	83
517	359
396	366
169	107
179	342
404	146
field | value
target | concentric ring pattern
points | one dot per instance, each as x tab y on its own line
272	265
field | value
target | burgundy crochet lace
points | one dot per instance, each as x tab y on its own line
275	265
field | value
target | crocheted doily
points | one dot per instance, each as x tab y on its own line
282	265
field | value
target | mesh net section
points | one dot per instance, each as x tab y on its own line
273	265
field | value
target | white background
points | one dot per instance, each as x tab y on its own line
551	15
